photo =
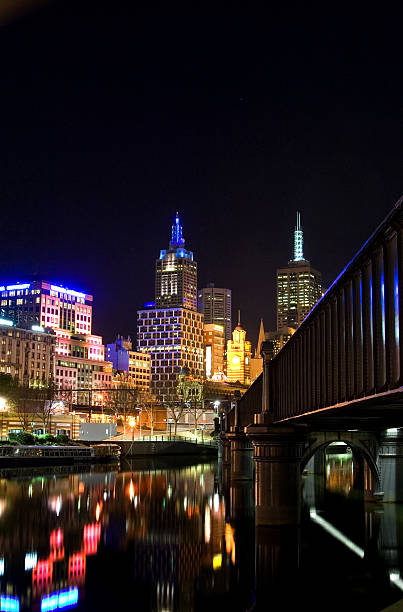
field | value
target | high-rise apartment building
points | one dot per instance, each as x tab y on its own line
213	339
41	305
172	331
215	305
176	274
299	286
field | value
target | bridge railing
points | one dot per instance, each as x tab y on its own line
350	344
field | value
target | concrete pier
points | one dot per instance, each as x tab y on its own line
278	453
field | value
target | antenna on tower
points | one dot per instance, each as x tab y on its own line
176	234
239	318
298	240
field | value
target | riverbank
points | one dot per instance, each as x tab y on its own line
165	447
16	455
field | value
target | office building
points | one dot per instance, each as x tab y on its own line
173	336
299	286
41	305
27	355
135	365
238	356
176	274
213	341
215	305
48	305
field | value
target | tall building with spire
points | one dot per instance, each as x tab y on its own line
256	363
176	273
299	286
171	330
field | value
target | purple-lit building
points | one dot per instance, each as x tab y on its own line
42	305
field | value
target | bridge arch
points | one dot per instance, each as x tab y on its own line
365	447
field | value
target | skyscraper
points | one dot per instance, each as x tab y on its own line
215	304
299	286
172	332
176	274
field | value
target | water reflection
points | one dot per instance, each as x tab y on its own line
165	537
91	540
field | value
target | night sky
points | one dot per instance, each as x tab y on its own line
113	118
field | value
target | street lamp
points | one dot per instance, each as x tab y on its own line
202	426
170	421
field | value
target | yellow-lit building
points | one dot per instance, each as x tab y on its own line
238	357
213	340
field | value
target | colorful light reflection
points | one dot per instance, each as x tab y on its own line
9	604
60	600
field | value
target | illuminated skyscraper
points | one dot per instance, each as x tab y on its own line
41	305
176	274
172	331
215	304
299	286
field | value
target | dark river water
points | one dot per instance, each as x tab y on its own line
170	536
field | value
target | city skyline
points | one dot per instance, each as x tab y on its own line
176	248
118	136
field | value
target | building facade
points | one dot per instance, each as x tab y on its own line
215	305
174	339
213	341
173	336
136	365
238	357
299	286
27	355
45	306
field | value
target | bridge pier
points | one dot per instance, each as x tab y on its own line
390	465
241	455
278	454
225	459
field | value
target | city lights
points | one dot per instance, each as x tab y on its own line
13	287
31	560
67	291
59	600
6	322
9	603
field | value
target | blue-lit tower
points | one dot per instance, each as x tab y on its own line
171	331
176	273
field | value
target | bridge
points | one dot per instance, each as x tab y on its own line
339	378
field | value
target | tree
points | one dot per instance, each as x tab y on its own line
176	410
147	403
122	400
31	403
195	407
190	392
44	404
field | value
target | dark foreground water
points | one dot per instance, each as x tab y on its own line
172	537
